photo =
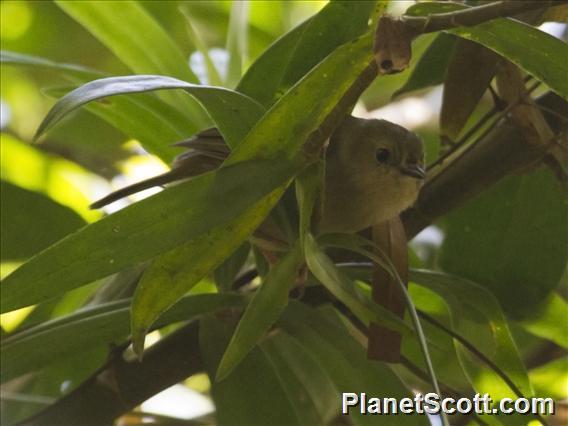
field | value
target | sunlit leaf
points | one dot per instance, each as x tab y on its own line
237	41
233	113
293	55
212	73
135	37
77	71
551	380
150	120
549	320
144	117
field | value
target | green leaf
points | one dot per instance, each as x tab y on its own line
476	315
511	240
143	230
324	336
225	274
233	113
357	244
180	269
469	73
345	290
292	56
255	379
237	41
536	52
308	193
212	73
551	380
142	116
431	67
304	380
318	93
90	328
135	37
284	129
262	311
549	320
76	71
30	222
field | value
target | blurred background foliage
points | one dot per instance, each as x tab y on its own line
517	250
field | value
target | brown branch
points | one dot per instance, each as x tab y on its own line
120	385
472	16
501	152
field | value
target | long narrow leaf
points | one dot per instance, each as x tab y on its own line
142	116
180	269
278	135
142	231
293	55
139	41
341	287
263	311
233	112
324	336
14	58
237	41
92	327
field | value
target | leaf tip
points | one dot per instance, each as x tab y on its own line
222	372
138	339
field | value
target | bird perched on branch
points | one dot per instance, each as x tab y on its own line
374	170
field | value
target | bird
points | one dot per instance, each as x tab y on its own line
374	170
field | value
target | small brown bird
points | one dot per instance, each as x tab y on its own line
374	170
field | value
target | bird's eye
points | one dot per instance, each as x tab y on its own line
382	155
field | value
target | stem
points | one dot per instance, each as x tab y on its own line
472	16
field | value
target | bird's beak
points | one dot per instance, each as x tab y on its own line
413	170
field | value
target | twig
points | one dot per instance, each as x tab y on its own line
502	151
472	16
119	385
482	121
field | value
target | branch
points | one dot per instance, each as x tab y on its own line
121	385
472	16
501	152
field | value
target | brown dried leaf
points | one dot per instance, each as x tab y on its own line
392	45
469	73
